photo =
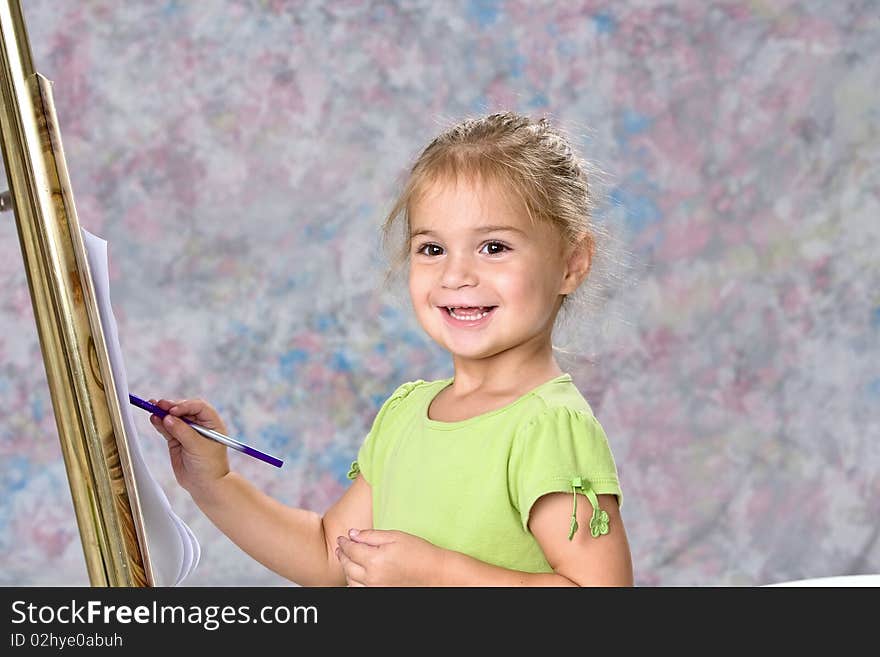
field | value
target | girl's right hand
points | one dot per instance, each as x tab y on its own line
198	462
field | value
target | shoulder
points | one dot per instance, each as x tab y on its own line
412	389
409	394
553	424
394	413
559	442
559	426
559	402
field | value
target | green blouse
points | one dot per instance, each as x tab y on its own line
469	485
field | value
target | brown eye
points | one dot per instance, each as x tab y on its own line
501	248
422	248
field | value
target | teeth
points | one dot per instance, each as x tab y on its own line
468	317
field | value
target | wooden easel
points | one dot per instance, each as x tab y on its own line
87	412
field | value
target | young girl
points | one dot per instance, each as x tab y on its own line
497	476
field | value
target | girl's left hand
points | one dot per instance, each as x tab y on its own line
378	557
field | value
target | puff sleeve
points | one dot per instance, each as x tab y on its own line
562	450
368	454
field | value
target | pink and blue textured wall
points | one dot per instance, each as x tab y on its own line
239	157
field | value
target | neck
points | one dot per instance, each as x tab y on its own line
522	367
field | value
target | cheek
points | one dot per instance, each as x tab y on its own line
418	286
529	289
519	287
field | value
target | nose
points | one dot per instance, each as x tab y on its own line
459	270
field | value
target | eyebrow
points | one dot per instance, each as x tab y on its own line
482	229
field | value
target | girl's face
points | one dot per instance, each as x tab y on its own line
474	250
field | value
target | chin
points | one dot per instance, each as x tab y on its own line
473	352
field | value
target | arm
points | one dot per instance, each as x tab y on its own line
396	558
585	560
295	543
582	561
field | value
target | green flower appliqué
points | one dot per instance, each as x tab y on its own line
353	470
598	523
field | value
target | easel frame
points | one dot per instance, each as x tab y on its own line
93	440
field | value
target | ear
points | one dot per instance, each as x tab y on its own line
577	264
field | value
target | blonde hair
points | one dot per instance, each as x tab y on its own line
529	158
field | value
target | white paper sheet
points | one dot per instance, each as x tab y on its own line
173	548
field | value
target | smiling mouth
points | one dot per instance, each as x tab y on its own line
468	314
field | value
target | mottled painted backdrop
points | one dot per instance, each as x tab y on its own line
239	156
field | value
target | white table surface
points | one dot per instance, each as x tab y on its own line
842	580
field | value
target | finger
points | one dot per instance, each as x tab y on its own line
373	537
182	432
195	409
173	443
186	407
156	421
357	552
165	404
353	571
